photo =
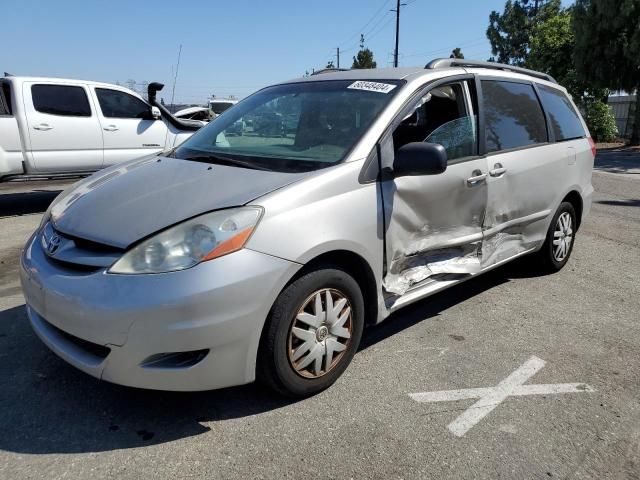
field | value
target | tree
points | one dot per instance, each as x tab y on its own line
456	53
510	32
607	51
551	51
364	59
330	64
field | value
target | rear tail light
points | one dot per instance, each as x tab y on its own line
593	146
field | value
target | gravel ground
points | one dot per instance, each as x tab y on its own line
56	422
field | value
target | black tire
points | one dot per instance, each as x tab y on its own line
274	367
547	260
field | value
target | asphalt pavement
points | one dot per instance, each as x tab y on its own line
562	350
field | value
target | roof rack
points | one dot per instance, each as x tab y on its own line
458	62
329	70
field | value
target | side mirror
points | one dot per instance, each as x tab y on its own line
420	158
152	114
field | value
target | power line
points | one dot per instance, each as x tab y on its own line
359	31
470	43
385	25
372	32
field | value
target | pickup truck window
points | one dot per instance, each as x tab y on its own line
115	104
63	100
5	99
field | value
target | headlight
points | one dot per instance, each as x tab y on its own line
202	238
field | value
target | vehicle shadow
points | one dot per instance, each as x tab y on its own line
47	406
24	203
620	203
618	161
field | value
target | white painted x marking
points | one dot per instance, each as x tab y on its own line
491	397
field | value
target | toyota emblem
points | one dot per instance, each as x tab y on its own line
53	244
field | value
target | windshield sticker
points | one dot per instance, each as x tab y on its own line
372	86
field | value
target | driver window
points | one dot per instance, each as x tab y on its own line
442	116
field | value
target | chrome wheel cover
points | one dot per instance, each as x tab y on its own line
562	236
320	333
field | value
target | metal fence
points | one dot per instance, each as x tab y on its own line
623	108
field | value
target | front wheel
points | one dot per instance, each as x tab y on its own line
312	333
558	245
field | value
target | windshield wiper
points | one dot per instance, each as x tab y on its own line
222	160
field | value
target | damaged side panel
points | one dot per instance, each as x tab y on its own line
521	200
433	225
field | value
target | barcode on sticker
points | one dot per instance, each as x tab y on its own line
372	86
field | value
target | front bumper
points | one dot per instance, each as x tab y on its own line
218	306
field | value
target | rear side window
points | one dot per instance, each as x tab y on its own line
5	99
63	100
115	104
565	123
513	116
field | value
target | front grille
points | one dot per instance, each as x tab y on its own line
76	267
91	348
78	254
95	247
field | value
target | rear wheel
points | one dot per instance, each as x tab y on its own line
560	239
312	333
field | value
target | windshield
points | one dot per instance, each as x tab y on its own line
293	127
219	107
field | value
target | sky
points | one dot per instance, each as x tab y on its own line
228	48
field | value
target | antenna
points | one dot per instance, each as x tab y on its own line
175	78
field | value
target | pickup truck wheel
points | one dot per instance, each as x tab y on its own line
312	333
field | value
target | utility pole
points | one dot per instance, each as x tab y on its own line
395	52
338	56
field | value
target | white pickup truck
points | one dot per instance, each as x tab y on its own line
52	127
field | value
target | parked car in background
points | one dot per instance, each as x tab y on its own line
220	105
51	126
200	114
243	257
269	124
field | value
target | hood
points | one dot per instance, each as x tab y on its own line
125	203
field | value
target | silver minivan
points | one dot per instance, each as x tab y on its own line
264	255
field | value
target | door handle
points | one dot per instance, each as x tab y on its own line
498	170
43	126
477	177
110	128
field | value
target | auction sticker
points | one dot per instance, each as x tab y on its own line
372	86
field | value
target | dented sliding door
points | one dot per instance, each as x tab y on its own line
524	172
433	223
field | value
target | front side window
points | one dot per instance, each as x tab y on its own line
565	123
293	127
513	116
441	116
116	104
65	100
